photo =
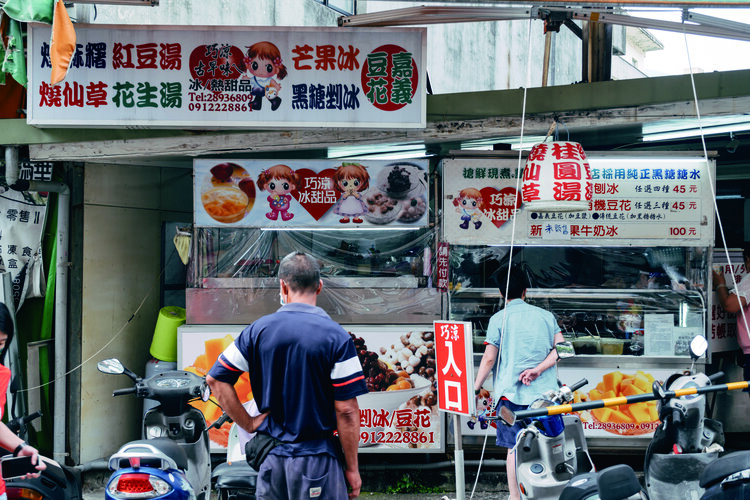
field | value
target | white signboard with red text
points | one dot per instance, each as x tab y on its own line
637	200
335	194
455	366
225	77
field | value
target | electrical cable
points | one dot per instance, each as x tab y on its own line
711	184
519	170
116	335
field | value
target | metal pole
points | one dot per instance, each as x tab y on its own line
459	453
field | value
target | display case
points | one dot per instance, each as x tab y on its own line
601	322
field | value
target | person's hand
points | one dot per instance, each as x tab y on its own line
717	278
529	375
32	452
354	481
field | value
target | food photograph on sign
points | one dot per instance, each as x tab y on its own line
400	410
638	200
311	193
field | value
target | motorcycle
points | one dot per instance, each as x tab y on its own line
56	482
551	449
172	461
618	482
685	441
727	478
234	479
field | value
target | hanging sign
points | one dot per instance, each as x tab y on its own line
286	194
22	218
443	266
225	77
455	363
723	334
635	200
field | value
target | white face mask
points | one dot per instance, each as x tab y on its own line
281	299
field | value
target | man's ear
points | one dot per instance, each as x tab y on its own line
320	287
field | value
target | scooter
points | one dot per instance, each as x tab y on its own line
618	482
686	441
727	478
56	482
551	449
172	461
235	479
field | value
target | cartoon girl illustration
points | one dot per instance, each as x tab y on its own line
279	181
263	63
469	204
351	180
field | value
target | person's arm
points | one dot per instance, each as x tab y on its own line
347	423
530	374
11	442
730	302
230	403
486	365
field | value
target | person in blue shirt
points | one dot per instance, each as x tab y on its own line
524	337
305	377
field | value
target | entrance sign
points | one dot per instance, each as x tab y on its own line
231	77
638	200
455	366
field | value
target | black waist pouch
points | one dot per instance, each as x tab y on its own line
258	447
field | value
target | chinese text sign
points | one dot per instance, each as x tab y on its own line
204	77
455	366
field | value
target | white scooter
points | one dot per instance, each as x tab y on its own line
551	449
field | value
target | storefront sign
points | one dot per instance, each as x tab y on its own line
230	77
398	415
391	420
443	266
455	363
310	194
22	218
723	334
638	420
635	200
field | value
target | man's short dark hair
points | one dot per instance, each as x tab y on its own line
517	282
300	271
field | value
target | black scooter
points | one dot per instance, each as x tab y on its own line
56	482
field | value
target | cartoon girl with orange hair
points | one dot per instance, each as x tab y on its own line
350	179
469	204
279	181
263	62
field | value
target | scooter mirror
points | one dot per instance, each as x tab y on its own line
507	415
205	393
565	350
698	346
111	365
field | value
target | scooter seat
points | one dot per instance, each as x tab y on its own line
723	467
234	475
169	448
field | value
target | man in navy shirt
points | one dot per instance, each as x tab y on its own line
305	377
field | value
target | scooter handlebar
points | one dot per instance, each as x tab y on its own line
122	392
526	444
716	376
578	384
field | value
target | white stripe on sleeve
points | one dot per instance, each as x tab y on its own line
344	369
235	357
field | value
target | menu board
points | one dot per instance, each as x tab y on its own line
636	201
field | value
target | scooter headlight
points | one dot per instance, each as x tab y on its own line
155	431
138	486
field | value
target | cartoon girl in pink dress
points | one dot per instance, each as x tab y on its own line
279	181
351	180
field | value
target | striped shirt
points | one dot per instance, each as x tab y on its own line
300	362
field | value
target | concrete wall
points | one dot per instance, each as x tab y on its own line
123	211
